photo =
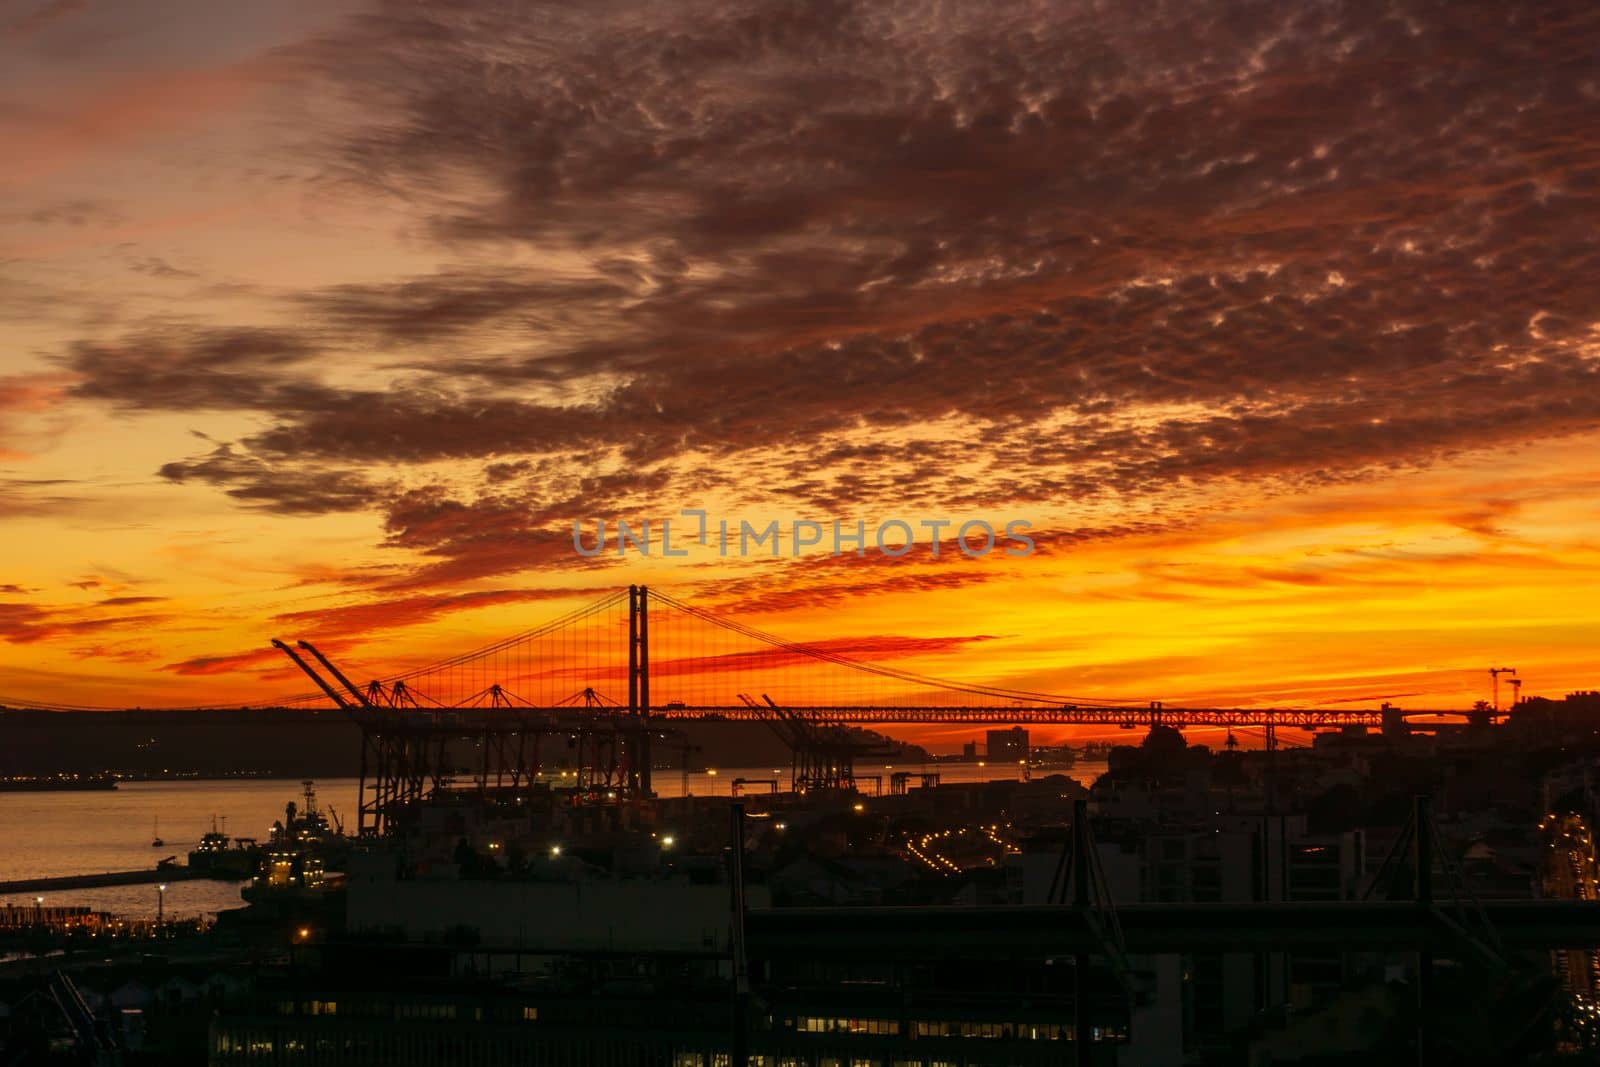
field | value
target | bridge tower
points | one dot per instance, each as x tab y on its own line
639	687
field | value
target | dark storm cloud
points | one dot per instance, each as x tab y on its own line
283	489
424	423
465	540
507	531
1119	249
452	303
181	368
842	214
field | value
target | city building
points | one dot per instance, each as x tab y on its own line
1007	746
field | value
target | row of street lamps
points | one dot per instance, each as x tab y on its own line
161	906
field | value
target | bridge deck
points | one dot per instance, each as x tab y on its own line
1010	714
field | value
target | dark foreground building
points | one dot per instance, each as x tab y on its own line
358	1005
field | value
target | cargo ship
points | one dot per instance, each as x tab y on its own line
300	853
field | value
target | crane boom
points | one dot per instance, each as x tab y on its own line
336	672
313	675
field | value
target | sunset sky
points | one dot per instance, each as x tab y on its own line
1280	322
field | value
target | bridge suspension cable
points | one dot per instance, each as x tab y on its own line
883	670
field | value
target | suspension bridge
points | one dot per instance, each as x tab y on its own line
614	677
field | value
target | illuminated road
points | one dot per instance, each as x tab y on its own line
949	852
1571	874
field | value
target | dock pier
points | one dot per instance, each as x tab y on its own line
151	876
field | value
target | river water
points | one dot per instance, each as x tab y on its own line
59	833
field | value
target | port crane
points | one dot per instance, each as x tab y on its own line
824	752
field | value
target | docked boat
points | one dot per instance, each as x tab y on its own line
1052	757
219	855
301	851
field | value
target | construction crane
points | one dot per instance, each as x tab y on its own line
1494	678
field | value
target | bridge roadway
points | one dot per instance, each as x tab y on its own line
447	718
1066	715
567	717
1036	930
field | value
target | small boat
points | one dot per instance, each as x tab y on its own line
158	843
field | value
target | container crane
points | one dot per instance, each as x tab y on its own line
361	698
322	683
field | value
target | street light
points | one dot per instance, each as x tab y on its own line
38	911
161	903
